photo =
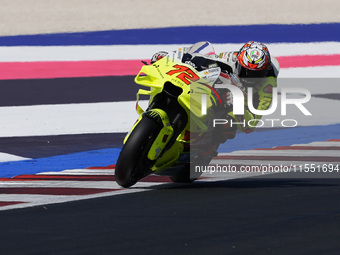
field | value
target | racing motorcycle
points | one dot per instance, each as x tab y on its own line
174	132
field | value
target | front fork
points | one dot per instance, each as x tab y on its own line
164	135
164	150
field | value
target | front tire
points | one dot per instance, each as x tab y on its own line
133	164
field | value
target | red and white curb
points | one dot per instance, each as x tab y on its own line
78	184
65	186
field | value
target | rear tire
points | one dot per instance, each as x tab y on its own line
133	164
184	175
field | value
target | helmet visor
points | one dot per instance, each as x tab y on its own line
243	72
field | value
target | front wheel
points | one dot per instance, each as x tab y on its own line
133	164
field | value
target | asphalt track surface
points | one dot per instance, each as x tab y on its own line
245	216
67	90
64	91
241	216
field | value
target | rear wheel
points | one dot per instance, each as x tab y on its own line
185	175
133	164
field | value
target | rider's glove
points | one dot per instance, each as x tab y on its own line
157	56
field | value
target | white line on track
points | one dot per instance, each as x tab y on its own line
80	172
267	162
292	153
131	52
5	157
321	144
105	118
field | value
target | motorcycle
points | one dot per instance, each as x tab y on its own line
172	134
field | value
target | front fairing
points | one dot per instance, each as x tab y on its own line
195	87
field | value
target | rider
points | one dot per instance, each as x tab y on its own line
251	66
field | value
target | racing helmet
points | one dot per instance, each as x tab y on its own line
252	61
